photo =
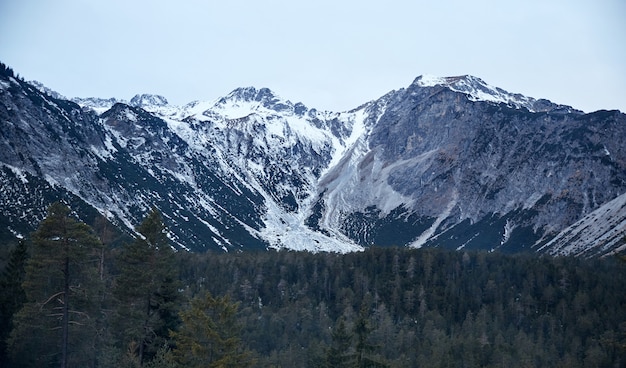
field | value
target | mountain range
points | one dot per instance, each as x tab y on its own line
445	162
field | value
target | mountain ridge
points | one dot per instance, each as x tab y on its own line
431	164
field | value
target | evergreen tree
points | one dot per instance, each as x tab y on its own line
339	354
12	295
146	291
6	70
105	232
56	324
209	335
364	349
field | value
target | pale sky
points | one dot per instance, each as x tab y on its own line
329	54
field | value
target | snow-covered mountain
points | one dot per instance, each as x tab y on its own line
100	105
477	90
449	162
147	101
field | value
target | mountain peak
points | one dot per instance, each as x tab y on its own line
48	91
477	90
148	100
250	94
97	104
259	98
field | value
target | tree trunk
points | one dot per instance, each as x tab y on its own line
145	332
65	321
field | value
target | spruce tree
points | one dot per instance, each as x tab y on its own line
56	323
340	353
146	291
209	335
364	350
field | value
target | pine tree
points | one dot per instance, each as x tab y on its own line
56	323
209	335
146	291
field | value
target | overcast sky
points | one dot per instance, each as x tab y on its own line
329	54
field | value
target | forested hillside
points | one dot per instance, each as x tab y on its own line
70	299
424	307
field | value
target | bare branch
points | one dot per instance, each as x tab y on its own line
79	312
50	298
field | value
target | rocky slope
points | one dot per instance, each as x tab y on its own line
465	171
449	162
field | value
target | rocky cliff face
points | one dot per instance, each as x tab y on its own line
449	162
478	174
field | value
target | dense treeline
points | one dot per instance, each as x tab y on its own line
71	300
425	307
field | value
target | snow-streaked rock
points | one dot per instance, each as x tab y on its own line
450	162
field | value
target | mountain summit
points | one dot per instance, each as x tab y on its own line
148	100
250	99
445	162
477	90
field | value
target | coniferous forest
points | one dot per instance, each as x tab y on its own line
75	295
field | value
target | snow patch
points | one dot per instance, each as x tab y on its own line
131	116
508	230
15	233
52	181
428	80
425	236
477	90
105	153
19	173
